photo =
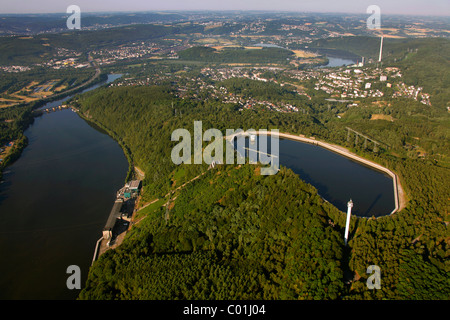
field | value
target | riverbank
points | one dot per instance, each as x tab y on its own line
12	153
70	173
103	244
120	219
126	151
98	77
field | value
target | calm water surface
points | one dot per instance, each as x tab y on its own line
338	62
54	202
337	178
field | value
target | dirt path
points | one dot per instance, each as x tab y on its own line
140	173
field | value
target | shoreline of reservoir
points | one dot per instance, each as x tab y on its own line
399	195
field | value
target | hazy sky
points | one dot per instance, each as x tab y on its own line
417	7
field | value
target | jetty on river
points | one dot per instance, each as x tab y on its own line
54	109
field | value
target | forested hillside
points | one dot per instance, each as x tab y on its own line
232	234
211	220
41	48
237	55
12	123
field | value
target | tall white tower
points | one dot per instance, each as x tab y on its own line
347	223
381	49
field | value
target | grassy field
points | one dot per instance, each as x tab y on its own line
304	54
215	41
219	48
381	117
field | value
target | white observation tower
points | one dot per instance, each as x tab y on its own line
347	223
381	49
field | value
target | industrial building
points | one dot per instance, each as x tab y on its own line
134	185
122	209
130	189
113	216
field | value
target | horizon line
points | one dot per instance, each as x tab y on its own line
227	10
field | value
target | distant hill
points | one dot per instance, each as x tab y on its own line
237	55
35	49
31	24
24	50
84	40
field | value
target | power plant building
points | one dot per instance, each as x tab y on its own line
113	216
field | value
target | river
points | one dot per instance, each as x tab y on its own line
54	201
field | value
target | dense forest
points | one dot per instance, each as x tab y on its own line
142	119
237	55
231	235
13	120
247	88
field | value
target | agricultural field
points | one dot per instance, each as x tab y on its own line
31	92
